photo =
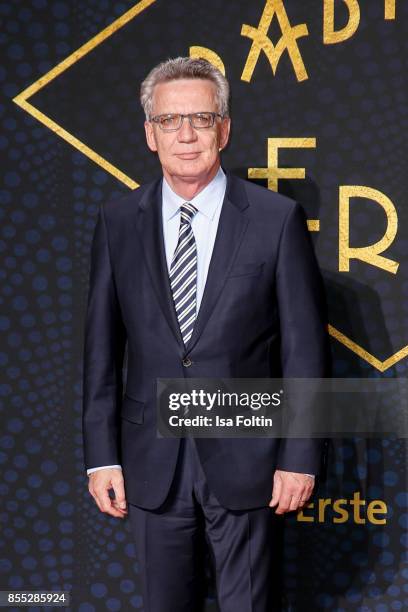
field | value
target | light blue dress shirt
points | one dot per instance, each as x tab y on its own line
204	225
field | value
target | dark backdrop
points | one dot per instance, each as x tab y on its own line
75	139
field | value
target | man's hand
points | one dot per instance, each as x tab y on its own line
291	491
99	484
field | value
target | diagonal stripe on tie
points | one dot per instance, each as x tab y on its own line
186	325
189	265
185	312
183	257
183	273
183	300
191	280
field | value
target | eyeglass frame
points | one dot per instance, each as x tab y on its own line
156	118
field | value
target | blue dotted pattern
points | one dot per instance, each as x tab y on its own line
355	103
52	535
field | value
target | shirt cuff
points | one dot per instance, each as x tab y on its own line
102	467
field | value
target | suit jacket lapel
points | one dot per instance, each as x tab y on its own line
150	229
231	228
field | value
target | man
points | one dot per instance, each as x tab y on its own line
202	274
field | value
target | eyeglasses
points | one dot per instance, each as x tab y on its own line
172	122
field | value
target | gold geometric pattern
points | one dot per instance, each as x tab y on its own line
371	359
22	100
313	225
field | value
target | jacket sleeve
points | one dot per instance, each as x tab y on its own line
305	349
104	346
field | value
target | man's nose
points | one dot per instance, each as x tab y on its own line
186	133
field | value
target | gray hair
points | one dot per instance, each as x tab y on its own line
185	68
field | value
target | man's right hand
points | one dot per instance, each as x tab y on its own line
99	484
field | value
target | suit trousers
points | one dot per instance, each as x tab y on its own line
170	546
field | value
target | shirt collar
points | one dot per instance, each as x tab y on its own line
206	201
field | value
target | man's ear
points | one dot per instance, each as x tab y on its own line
150	136
225	132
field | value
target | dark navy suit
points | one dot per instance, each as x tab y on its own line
262	314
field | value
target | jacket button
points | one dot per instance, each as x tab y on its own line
187	362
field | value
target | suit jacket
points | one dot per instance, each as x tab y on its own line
263	314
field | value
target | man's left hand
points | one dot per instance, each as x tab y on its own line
291	491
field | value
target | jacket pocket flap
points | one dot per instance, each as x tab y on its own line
247	269
132	409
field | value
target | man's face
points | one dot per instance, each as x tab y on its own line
187	154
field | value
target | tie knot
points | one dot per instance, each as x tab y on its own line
187	211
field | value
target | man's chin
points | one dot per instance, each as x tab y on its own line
190	170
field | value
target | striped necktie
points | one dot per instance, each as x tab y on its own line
183	273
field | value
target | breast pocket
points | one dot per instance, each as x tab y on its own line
246	269
132	409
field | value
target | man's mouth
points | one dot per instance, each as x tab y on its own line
191	155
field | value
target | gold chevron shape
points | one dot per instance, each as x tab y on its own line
22	100
361	352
